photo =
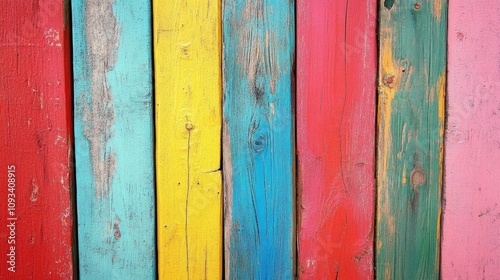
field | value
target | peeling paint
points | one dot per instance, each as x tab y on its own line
228	195
102	42
261	48
437	6
34	190
52	37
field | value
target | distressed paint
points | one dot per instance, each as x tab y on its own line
412	65
336	70
114	138
187	48
471	214
258	142
35	141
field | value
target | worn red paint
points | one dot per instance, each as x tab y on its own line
336	69
35	141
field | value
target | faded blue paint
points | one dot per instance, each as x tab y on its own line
259	45
116	231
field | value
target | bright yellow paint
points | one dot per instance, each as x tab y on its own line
437	7
441	89
403	180
187	54
387	70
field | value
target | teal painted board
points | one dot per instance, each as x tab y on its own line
258	138
114	139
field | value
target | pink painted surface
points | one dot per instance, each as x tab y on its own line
471	222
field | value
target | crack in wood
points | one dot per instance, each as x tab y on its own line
189	127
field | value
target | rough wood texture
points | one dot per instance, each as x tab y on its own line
35	141
336	70
187	45
258	136
412	78
471	216
114	138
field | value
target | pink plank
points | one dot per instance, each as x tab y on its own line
471	222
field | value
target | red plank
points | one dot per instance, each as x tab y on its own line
336	70
35	141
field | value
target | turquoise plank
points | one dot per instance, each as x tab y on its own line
114	139
259	45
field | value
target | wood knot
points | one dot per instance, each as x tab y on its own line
417	178
117	233
389	81
417	5
189	126
258	142
388	4
184	48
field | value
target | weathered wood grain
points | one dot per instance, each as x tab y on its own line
187	48
471	214
114	139
35	141
259	46
336	102
412	77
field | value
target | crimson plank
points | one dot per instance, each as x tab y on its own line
35	141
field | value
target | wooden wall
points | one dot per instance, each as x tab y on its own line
249	139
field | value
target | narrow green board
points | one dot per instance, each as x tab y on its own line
412	80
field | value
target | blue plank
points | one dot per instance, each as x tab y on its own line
114	139
259	45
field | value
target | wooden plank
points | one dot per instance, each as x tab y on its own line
412	78
187	49
35	141
114	138
336	70
259	39
471	216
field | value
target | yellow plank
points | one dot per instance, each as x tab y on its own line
187	58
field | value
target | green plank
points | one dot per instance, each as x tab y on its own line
412	78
